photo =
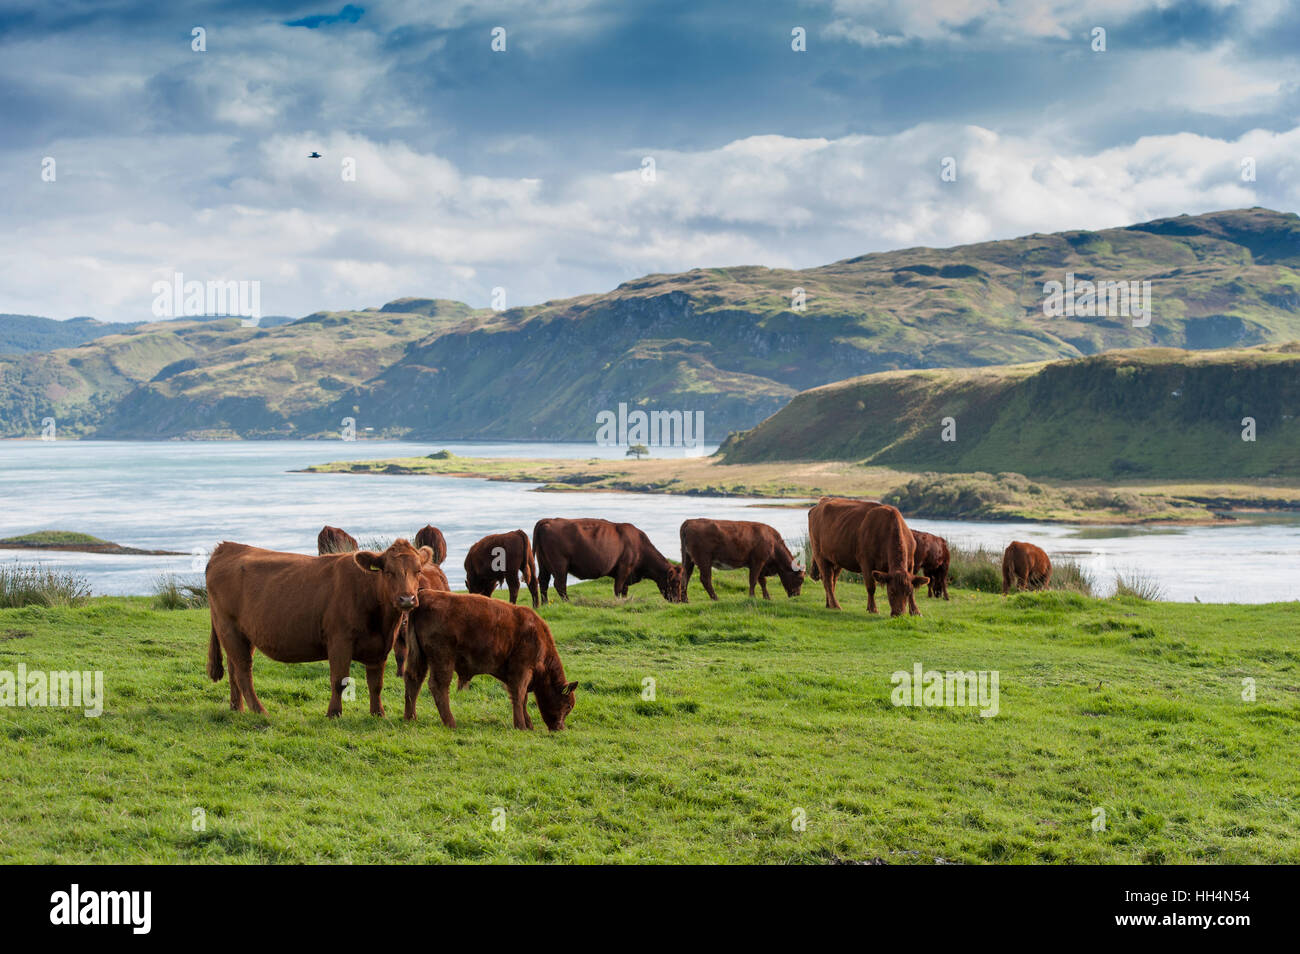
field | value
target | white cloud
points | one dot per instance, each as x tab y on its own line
415	224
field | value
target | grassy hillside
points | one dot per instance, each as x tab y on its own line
760	709
212	377
722	341
23	333
1125	414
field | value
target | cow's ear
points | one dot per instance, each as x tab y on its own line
568	689
879	577
920	580
369	560
427	554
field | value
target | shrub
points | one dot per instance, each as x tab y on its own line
39	586
168	594
1139	584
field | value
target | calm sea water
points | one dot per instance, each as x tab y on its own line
191	495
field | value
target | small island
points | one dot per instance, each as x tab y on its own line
75	542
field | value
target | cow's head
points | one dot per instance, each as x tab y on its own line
480	585
555	702
791	578
398	571
898	587
674	585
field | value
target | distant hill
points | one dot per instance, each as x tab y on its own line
722	341
1151	412
23	333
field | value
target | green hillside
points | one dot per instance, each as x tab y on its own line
722	341
1157	412
23	333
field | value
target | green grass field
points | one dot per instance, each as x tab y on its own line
761	710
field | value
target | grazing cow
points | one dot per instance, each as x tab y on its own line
297	608
931	559
813	571
502	558
590	548
334	540
1027	566
431	537
476	635
869	539
731	544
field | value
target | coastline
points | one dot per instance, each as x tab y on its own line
793	483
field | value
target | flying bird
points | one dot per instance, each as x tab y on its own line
315	155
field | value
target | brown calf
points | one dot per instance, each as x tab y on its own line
931	559
731	544
590	548
297	608
1025	565
869	539
502	558
474	635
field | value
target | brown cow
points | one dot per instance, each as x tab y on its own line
590	548
872	540
731	544
431	537
297	608
502	558
334	540
431	578
1027	566
813	572
476	635
931	559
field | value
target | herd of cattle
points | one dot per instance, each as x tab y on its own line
347	604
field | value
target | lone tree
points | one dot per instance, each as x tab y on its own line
638	451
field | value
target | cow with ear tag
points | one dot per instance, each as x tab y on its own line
294	608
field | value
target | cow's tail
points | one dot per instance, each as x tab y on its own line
215	668
414	654
529	568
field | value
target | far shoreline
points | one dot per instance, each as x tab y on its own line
796	484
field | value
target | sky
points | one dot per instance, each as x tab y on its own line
450	168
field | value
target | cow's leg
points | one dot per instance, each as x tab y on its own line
544	583
706	579
440	674
518	688
512	584
561	583
375	682
1006	578
829	575
340	659
688	567
620	581
871	589
753	580
532	589
239	654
